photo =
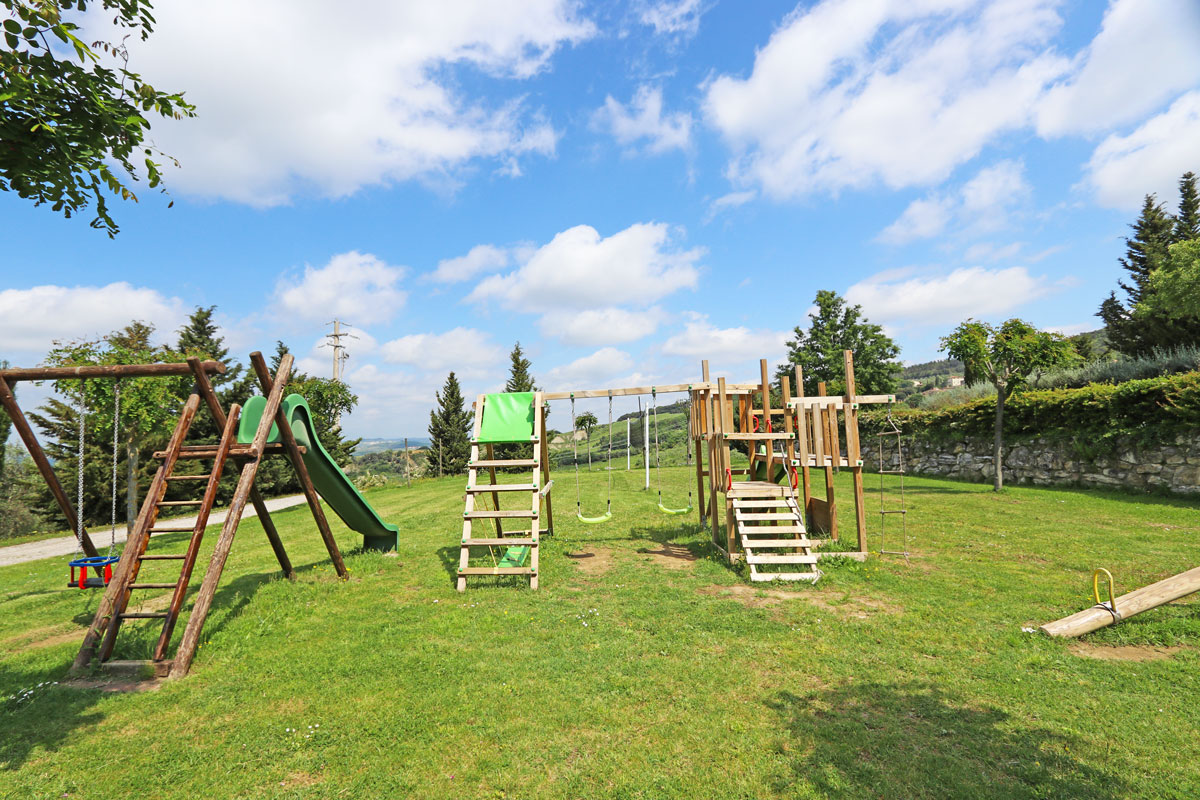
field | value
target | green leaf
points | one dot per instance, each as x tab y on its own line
12	26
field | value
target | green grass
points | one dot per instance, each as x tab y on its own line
884	680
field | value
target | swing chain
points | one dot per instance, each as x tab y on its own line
112	534
79	466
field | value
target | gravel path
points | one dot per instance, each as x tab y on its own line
66	545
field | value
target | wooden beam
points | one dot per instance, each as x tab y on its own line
270	385
833	450
9	401
15	374
256	498
853	454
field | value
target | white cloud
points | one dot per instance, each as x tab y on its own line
849	94
580	269
1074	328
982	204
32	319
301	97
730	200
643	121
924	218
353	286
1150	159
589	371
600	325
1144	55
481	258
701	339
989	251
460	349
671	17
944	299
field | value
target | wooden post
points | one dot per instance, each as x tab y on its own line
407	466
831	452
769	445
545	456
697	433
802	417
9	401
853	453
256	498
491	454
725	457
208	588
289	442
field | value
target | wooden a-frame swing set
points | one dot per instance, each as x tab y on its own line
246	456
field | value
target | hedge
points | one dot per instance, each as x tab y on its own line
1154	409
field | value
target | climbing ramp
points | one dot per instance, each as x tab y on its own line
490	549
770	529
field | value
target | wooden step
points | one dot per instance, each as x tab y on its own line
498	542
755	544
172	530
235	451
153	585
496	571
501	487
515	462
759	577
499	514
739	502
162	503
145	557
770	530
144	615
747	516
781	558
188	477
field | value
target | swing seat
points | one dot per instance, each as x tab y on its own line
666	510
101	564
593	520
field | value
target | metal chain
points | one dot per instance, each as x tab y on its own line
112	534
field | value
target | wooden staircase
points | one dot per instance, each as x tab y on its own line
772	535
521	547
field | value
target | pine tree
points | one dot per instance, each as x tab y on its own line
1187	222
449	431
199	338
519	380
1145	252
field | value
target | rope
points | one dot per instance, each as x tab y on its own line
658	458
575	454
575	451
79	467
112	534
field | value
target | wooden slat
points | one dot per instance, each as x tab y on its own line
495	571
187	477
501	462
502	487
153	585
781	558
158	557
499	514
163	503
144	615
743	502
201	451
752	544
106	371
501	542
746	516
173	530
761	577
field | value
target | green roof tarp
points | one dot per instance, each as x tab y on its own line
507	418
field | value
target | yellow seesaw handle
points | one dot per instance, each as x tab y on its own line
1112	595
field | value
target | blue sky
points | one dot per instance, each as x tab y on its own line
625	188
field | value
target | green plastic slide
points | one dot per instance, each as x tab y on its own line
330	482
507	417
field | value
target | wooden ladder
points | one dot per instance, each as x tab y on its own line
129	579
772	535
512	563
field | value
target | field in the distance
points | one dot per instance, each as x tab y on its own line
643	667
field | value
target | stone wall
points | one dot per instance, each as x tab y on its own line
1046	461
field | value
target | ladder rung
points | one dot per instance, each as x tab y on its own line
892	472
179	502
502	487
172	530
153	585
784	576
496	571
179	557
786	516
754	544
499	514
516	462
900	511
498	542
769	530
145	615
188	477
781	558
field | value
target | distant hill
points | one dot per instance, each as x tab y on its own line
932	369
379	445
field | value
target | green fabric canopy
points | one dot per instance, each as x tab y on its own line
507	418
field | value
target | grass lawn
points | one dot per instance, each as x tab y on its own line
643	668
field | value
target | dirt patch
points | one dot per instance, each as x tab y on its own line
671	556
596	562
1124	652
37	638
115	685
833	602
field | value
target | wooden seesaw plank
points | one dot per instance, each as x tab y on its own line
1127	605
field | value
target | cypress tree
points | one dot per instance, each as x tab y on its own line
1145	252
519	380
449	431
1187	223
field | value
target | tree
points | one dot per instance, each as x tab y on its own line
449	430
1187	221
1145	252
200	337
72	125
836	327
587	420
519	380
1005	356
1175	288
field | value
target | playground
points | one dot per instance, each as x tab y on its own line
643	666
